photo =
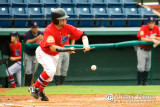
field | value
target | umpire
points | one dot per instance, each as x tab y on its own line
149	33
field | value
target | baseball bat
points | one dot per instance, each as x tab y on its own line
24	79
155	45
3	61
71	49
34	70
7	69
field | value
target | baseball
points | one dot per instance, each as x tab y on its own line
93	67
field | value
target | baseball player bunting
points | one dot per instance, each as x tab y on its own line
55	36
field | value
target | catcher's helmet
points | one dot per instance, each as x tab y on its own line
57	14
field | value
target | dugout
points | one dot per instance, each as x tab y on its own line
115	66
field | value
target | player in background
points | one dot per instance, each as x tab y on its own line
15	47
55	36
62	67
149	33
31	64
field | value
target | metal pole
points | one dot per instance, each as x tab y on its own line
141	2
22	70
151	73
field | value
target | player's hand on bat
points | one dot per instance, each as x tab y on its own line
71	52
86	48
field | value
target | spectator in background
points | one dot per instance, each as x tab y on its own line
31	64
15	47
63	64
149	33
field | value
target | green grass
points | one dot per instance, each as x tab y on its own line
156	106
130	90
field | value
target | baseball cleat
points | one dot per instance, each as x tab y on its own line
34	91
43	97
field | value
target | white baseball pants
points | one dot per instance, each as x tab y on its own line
48	62
15	69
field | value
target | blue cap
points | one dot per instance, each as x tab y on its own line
14	34
34	24
151	19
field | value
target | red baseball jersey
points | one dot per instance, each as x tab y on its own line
54	36
145	32
15	50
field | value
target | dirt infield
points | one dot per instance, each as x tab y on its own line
4	89
69	101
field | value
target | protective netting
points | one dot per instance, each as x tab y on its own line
116	65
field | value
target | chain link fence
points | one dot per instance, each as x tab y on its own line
116	65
